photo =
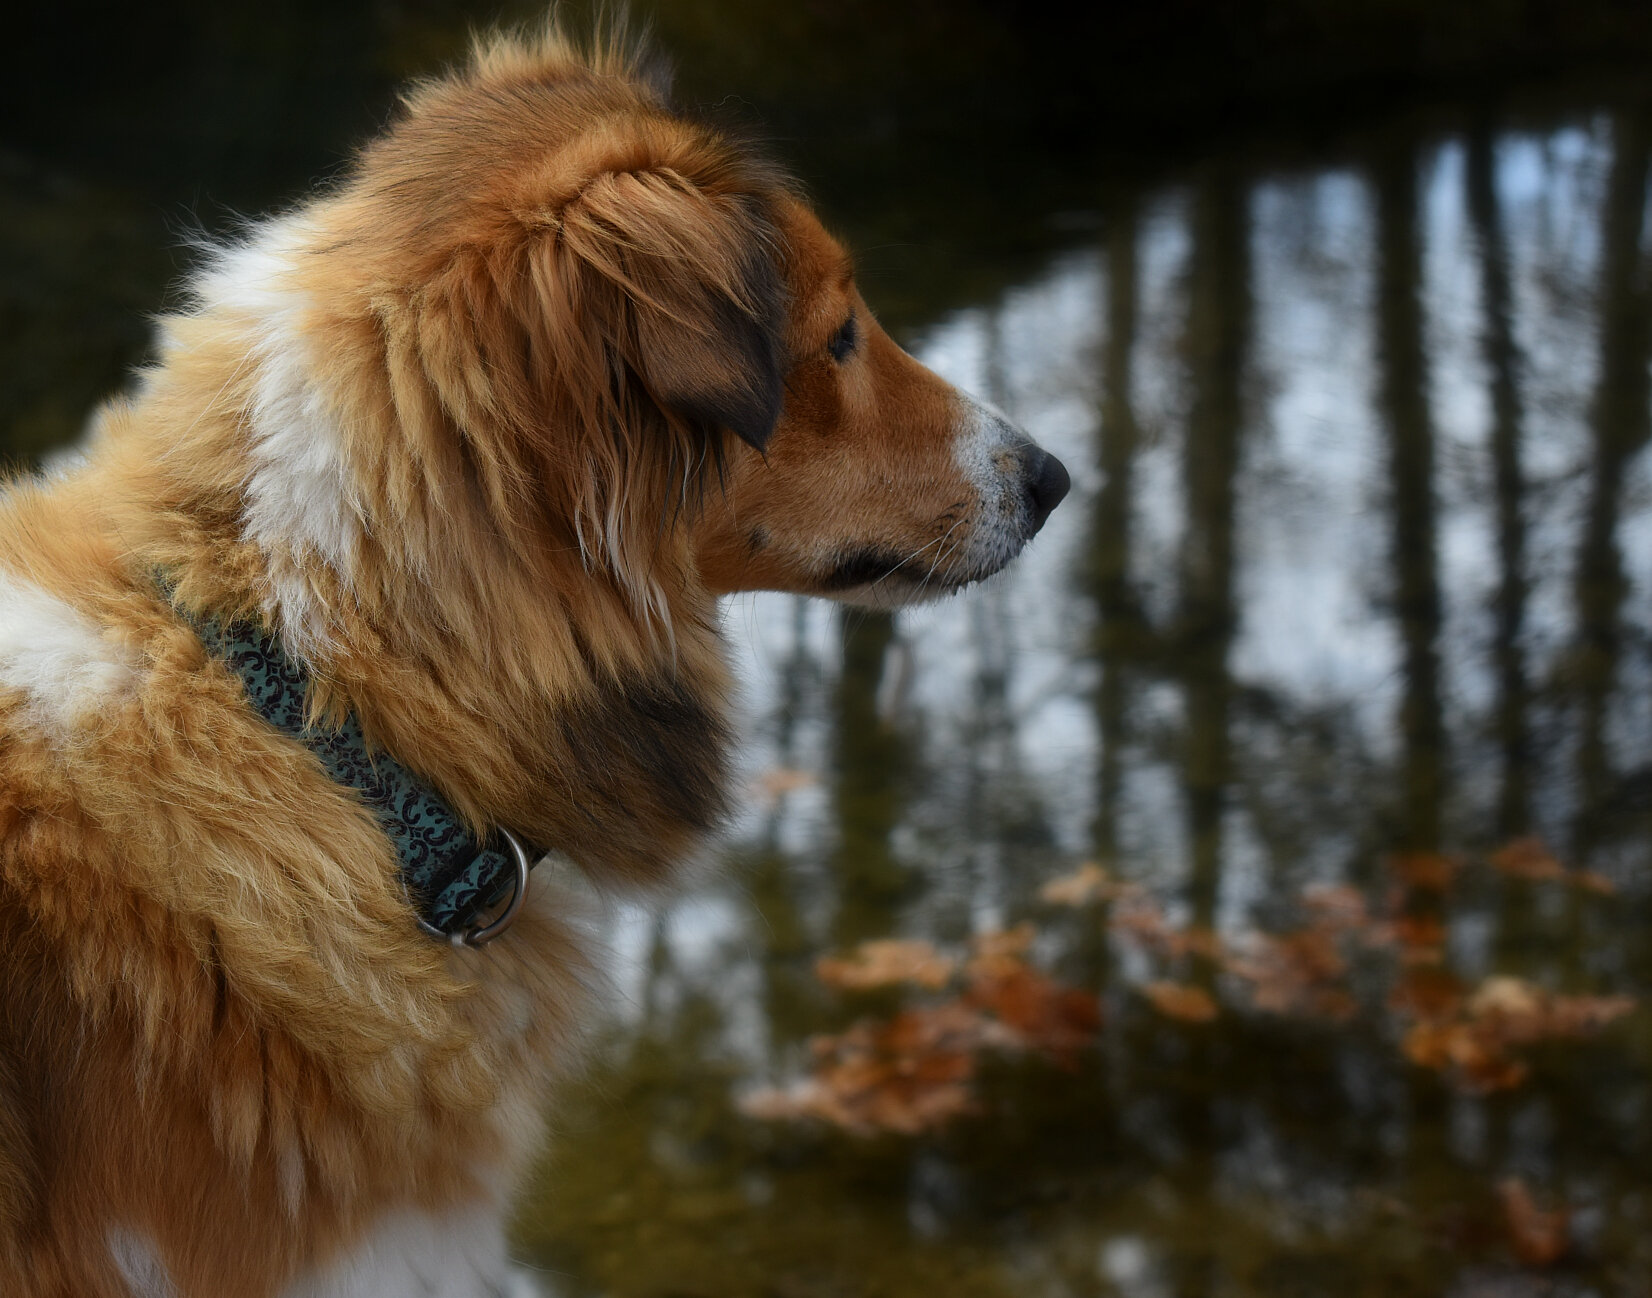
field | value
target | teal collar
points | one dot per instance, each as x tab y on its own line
450	877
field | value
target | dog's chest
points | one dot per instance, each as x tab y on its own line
458	1255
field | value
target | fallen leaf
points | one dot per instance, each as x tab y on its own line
1000	952
1143	920
1538	1238
1088	883
883	961
1575	1016
1039	1013
1180	1001
907	1075
1424	871
1527	858
1595	882
1296	973
1339	907
1420	937
1428	1045
1426	992
780	780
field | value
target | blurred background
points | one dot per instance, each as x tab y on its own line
1248	894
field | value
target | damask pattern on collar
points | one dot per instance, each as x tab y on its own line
450	877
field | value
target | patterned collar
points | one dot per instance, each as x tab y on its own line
450	877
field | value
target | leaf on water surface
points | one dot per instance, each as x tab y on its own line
1298	973
1424	871
1527	858
1000	952
1420	937
1595	882
884	961
1144	920
1538	1238
906	1075
1426	992
778	781
1339	907
1038	1012
1472	1040
1180	1001
1089	883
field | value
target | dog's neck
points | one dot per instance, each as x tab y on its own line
508	670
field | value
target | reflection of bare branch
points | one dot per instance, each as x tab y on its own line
1219	315
1502	360
1620	426
1403	406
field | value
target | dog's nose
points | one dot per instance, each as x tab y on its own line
1047	482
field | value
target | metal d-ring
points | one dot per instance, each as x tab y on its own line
482	934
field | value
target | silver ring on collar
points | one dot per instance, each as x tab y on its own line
482	934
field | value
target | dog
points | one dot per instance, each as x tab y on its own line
424	507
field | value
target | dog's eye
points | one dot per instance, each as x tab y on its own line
843	341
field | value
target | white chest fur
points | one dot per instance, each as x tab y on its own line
409	1255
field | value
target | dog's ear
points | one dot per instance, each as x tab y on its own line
684	285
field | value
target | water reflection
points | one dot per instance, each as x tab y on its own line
1356	570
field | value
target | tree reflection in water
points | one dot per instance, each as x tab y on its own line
1353	590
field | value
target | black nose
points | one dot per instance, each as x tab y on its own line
1047	482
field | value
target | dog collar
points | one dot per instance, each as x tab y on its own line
449	876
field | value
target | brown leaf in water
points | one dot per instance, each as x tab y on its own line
1595	882
1298	973
883	961
1527	858
1088	883
780	780
1482	1062
1577	1016
1339	907
1428	1044
1424	871
1426	992
1420	937
1538	1238
1039	1013
907	1075
1000	952
1143	920
1180	1001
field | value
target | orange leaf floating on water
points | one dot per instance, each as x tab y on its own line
1294	973
1000	952
1421	938
1339	907
1538	1238
1084	885
1424	871
1527	858
907	1075
1144	920
1472	1041
884	961
1426	992
1039	1013
1180	1001
1595	882
780	780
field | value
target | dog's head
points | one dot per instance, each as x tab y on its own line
618	327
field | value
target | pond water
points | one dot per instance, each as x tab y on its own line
1269	846
1348	615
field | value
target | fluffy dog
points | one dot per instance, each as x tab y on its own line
469	445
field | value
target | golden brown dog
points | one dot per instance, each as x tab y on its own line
477	438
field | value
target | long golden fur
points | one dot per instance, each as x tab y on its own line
481	435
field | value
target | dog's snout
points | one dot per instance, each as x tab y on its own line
1047	482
